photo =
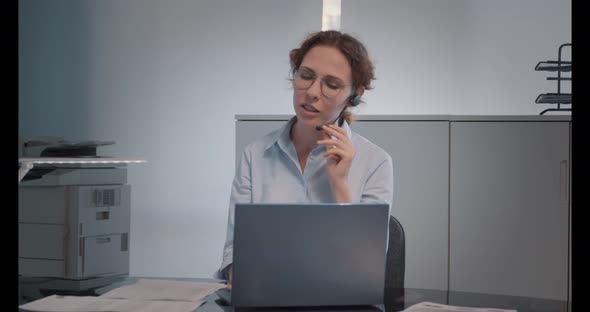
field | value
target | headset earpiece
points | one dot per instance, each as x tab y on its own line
355	99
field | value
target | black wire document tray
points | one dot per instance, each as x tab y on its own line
563	66
560	66
554	98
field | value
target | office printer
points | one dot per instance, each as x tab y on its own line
74	217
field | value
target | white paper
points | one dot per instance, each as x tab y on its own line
437	307
145	295
57	303
154	289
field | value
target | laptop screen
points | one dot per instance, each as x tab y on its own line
309	254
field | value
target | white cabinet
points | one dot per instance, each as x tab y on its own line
484	200
509	208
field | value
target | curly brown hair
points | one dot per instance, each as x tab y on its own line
363	71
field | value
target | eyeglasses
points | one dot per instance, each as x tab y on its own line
330	86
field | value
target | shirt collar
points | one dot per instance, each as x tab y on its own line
283	136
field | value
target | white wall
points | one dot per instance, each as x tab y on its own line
164	80
464	57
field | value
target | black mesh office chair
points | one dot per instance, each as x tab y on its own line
396	255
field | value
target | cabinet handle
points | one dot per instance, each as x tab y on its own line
563	179
82	253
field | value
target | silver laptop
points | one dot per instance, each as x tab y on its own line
288	255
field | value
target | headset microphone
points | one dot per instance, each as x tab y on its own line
340	122
354	99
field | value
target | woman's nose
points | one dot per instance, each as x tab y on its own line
315	90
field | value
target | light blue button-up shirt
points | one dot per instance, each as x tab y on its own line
269	172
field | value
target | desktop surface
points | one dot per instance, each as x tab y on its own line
399	299
395	300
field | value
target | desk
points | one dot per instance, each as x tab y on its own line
399	299
395	300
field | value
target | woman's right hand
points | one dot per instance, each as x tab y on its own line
228	285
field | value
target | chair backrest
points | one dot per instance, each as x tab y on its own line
396	255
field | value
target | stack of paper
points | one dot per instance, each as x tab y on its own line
87	304
145	295
437	307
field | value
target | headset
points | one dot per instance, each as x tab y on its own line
354	99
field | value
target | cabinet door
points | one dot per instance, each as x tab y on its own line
420	155
509	208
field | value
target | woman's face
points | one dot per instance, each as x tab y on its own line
326	71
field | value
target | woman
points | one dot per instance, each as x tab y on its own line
315	157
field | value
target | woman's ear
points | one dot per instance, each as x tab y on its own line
360	91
